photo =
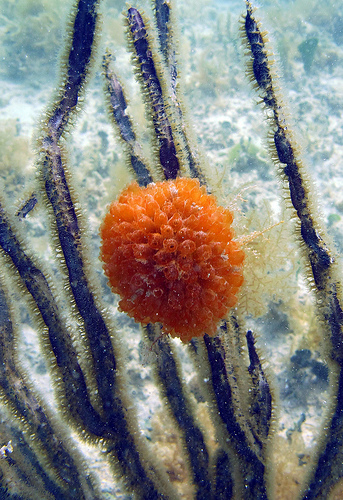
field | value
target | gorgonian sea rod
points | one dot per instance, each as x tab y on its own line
221	420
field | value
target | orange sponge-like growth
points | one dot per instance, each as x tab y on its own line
169	253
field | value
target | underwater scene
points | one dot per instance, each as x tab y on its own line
94	404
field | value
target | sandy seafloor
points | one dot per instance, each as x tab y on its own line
230	132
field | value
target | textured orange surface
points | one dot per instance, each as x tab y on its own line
168	252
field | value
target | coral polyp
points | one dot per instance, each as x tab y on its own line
169	253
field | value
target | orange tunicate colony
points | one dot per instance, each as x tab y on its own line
169	253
